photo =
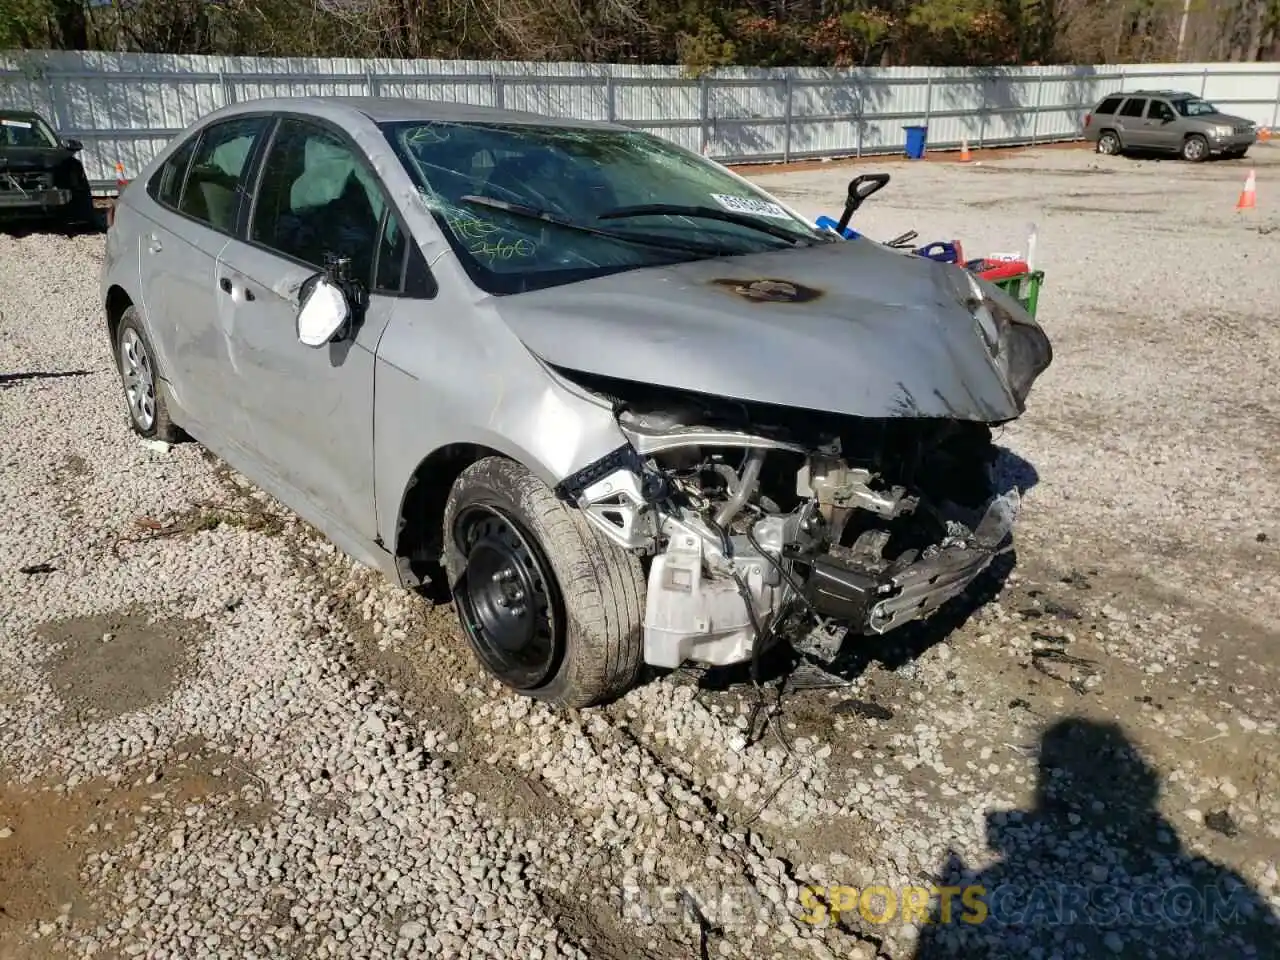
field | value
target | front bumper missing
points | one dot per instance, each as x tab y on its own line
878	604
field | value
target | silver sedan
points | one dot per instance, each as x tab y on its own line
623	405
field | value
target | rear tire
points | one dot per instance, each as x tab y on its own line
1195	149
1109	143
550	607
140	376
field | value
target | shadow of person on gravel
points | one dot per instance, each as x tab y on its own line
1013	471
1093	870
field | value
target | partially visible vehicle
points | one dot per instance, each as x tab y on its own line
1171	121
629	406
40	175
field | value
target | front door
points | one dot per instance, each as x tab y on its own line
311	409
1161	127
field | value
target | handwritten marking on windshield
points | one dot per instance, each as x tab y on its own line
479	236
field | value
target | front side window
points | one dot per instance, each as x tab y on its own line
316	199
1159	110
393	245
215	182
25	130
1133	107
527	206
1195	107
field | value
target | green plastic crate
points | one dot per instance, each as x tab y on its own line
1025	288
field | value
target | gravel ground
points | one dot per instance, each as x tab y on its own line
221	738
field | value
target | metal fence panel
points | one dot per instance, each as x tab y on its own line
125	107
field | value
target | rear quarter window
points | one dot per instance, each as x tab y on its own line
165	186
1109	105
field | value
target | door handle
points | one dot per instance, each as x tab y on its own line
228	287
154	245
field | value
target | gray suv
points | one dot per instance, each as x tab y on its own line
1167	120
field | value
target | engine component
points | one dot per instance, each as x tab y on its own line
694	610
838	590
840	489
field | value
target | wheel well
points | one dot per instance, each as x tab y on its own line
117	303
419	538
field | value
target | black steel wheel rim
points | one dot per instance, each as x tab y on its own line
507	598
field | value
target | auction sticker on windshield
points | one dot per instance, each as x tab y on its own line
759	208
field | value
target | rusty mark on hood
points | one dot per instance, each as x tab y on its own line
769	290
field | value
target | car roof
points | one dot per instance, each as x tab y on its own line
1167	94
391	109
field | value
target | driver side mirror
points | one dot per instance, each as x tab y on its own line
75	146
323	313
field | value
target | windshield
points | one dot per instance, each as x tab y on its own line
575	177
25	130
1195	107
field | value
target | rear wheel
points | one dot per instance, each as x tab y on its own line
1195	148
140	377
550	607
1108	143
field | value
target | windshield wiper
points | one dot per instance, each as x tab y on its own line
533	213
709	213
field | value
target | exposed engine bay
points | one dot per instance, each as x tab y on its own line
763	524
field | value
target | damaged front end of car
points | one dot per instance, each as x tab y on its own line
763	523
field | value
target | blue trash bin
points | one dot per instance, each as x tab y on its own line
917	138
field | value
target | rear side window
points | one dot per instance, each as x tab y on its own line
1109	105
166	186
215	181
1133	107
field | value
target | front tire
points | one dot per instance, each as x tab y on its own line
1195	148
550	607
140	377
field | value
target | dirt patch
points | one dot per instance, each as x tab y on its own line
47	832
115	663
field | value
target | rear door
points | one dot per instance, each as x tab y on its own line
312	408
1130	122
196	210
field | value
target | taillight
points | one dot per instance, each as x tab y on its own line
1088	119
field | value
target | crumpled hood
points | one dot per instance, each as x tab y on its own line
853	328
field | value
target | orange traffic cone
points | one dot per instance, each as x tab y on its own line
1249	195
1264	134
121	182
964	150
